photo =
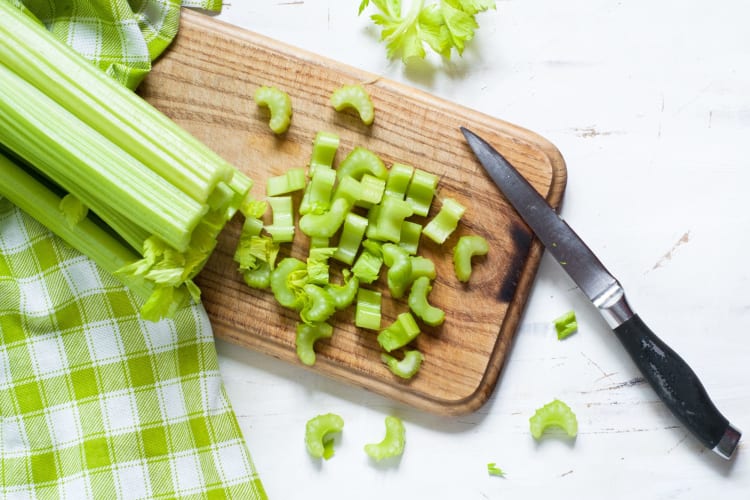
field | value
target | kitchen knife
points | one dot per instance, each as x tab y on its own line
672	379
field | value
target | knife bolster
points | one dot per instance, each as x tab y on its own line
613	306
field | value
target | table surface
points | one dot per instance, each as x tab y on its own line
649	103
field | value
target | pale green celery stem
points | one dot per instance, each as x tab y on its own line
86	236
405	23
73	155
118	113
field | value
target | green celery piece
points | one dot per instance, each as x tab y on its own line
319	191
553	414
566	325
317	265
282	227
324	150
444	223
326	224
387	218
351	238
398	261
409	239
290	181
407	367
361	161
343	295
392	444
467	247
317	429
254	250
367	311
399	177
399	333
349	189
279	104
367	266
421	191
422	266
121	116
99	244
318	304
494	470
73	209
354	96
373	246
372	191
85	163
258	277
420	306
287	294
307	335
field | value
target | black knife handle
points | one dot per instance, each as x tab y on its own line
678	386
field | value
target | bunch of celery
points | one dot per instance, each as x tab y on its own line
106	171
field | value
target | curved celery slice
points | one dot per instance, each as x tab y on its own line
326	224
367	312
398	261
354	96
555	413
318	304
467	247
407	367
351	238
445	222
392	444
291	180
286	293
422	266
373	189
324	150
317	434
367	266
279	104
399	333
319	191
398	180
419	305
282	226
343	295
259	277
307	335
361	161
387	219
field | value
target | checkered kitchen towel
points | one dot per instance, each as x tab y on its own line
94	402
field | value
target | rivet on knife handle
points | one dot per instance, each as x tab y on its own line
672	379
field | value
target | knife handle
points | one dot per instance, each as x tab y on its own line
678	386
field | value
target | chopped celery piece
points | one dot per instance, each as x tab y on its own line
307	335
566	325
324	150
326	224
343	295
287	293
399	333
422	266
258	277
372	191
252	208
387	218
409	239
398	180
373	246
557	414
349	189
420	306
361	161
317	265
318	304
253	250
317	433
279	105
392	444
445	222
407	367
354	96
467	247
319	191
73	209
367	266
319	242
494	470
421	191
292	180
398	261
282	227
351	238
367	312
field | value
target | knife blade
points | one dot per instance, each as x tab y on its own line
672	379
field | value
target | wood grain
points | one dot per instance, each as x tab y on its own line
205	82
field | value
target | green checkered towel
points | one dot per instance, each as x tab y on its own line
95	402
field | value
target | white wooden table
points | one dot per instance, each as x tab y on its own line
649	103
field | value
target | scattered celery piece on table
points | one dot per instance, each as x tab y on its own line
291	180
318	304
343	295
467	247
566	325
367	312
317	265
286	293
361	161
419	304
393	442
324	150
367	266
356	97
410	234
319	191
399	333
494	470
317	433
326	224
421	191
372	191
282	226
387	218
279	105
351	237
307	335
406	367
445	222
553	414
397	183
398	262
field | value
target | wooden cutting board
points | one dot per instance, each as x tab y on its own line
206	82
